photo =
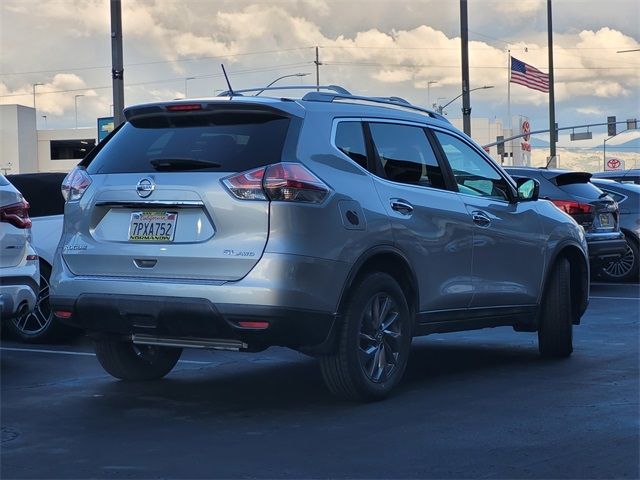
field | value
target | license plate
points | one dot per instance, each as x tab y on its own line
605	220
157	226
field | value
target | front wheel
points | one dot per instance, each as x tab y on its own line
555	330
374	341
128	361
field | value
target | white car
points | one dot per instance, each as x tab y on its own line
19	267
42	191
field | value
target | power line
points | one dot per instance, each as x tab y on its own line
168	80
157	62
499	67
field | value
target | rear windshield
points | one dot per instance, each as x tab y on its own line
220	142
585	190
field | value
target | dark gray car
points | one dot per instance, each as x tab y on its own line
627	195
338	225
592	208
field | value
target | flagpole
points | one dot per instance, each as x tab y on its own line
509	90
552	106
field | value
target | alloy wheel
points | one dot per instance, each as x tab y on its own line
622	266
36	321
380	338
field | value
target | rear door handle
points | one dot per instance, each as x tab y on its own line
480	218
401	206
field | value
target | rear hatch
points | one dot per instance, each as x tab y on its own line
157	206
592	208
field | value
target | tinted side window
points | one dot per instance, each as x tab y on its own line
473	174
406	155
350	141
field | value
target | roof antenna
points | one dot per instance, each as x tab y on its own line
226	77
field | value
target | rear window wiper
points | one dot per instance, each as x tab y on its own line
182	164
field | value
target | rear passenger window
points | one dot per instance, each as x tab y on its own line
350	141
406	155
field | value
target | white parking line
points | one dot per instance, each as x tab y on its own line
615	298
83	354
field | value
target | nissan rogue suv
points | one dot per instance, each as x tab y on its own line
337	225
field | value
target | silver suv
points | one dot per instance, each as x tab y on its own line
337	225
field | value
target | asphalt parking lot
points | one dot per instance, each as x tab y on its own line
475	404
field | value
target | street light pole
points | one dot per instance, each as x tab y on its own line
442	107
75	100
280	78
34	93
185	85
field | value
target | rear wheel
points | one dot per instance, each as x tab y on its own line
128	361
373	344
40	325
555	330
625	268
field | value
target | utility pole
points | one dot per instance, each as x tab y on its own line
464	40
318	63
117	68
552	105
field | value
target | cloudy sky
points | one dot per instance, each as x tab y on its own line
378	47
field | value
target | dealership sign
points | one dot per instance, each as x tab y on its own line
614	164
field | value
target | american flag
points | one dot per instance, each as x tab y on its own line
528	76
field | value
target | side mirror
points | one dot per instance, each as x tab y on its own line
528	189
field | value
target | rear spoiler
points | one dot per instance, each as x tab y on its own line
196	107
567	178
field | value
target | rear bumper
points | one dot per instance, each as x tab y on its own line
12	297
604	251
194	318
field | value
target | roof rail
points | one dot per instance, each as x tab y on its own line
332	88
390	101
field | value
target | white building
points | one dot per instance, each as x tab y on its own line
24	149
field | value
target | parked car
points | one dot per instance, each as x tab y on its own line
594	210
338	225
42	191
623	176
626	268
19	270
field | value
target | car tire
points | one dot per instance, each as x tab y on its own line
127	361
40	325
555	329
373	342
626	268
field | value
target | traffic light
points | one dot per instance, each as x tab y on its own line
611	126
632	124
500	145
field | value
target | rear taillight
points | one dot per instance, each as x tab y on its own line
582	213
288	182
574	208
75	184
17	214
247	185
292	182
